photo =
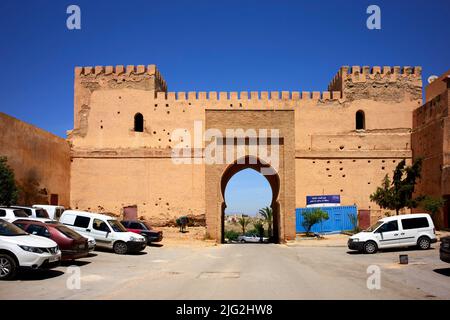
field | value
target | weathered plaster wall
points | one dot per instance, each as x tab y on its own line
41	161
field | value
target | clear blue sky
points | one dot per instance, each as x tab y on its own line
210	45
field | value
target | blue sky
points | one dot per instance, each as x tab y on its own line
207	45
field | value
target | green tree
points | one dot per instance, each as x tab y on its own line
311	217
243	222
398	194
259	228
267	214
432	205
9	192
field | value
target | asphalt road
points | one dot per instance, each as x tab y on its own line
240	271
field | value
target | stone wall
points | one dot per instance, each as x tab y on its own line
41	161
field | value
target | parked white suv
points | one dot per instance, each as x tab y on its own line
107	231
33	212
54	212
19	249
11	214
397	231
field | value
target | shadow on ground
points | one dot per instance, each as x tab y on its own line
36	275
443	271
408	249
76	263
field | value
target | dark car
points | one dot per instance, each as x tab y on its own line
143	228
72	244
445	249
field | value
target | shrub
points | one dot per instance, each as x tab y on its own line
182	223
231	235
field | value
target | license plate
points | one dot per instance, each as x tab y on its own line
54	259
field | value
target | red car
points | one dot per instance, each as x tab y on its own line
72	244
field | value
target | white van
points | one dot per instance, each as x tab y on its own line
107	231
54	212
397	231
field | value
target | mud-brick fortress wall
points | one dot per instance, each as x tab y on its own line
40	160
431	142
113	166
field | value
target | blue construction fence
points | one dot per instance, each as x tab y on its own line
339	219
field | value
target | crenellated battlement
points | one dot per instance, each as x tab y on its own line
121	74
367	73
378	83
248	96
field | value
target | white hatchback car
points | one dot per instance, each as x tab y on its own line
394	232
107	231
19	249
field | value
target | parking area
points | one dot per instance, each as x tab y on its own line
238	271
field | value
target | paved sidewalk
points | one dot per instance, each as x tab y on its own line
332	240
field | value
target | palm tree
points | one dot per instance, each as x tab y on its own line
243	221
267	214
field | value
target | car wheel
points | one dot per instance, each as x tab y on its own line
8	267
370	247
424	243
120	247
242	241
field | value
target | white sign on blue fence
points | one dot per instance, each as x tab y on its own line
323	201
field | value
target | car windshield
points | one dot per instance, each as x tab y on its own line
68	232
20	213
9	230
117	226
374	227
41	213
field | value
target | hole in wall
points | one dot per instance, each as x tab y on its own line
168	112
341	147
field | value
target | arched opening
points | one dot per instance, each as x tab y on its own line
360	120
138	122
270	187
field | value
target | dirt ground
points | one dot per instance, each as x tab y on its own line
194	236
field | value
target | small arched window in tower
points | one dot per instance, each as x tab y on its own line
360	120
138	122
